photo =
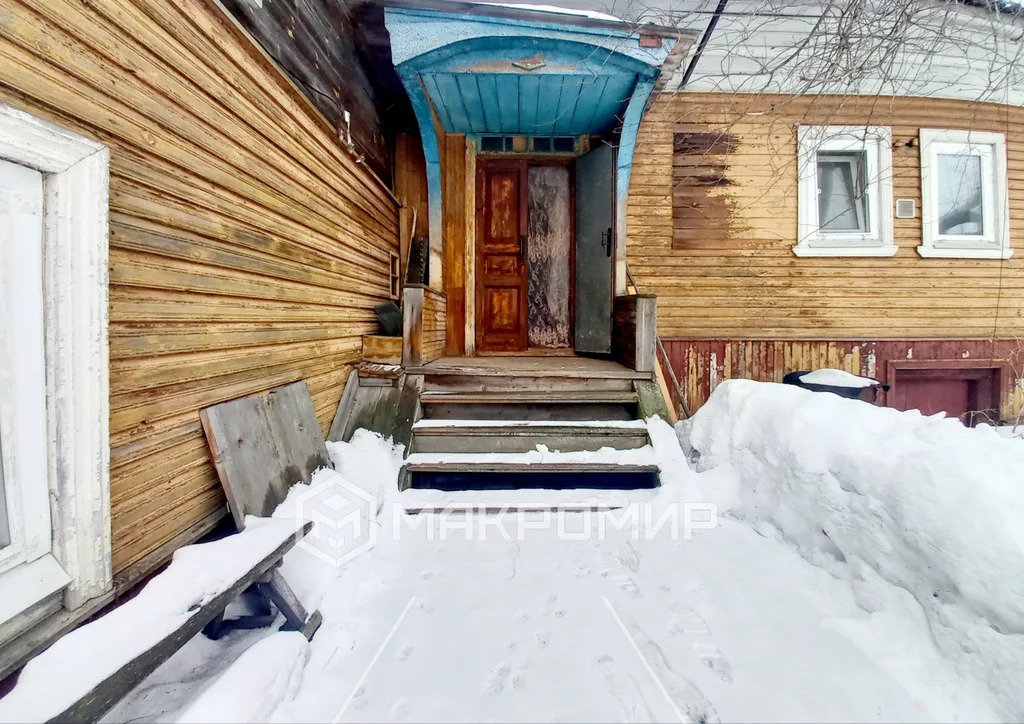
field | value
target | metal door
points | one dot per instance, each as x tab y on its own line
595	243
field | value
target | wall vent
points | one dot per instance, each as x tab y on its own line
905	208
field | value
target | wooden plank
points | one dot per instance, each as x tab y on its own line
345	407
262	445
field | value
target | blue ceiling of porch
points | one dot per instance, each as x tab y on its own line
528	103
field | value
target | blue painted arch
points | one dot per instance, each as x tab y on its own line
491	75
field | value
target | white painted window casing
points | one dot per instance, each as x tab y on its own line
22	369
965	206
54	359
852	166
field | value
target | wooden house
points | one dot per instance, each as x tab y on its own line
204	201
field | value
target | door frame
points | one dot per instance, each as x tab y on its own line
525	162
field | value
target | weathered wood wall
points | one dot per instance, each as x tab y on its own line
713	219
700	365
423	325
247	247
318	45
457	204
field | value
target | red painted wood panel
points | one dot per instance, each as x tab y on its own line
701	365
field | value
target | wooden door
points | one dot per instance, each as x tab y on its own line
595	242
501	316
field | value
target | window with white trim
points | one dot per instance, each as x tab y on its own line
55	538
845	193
965	210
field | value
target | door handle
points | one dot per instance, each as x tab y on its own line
522	249
606	241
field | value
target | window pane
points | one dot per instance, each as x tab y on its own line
959	182
842	203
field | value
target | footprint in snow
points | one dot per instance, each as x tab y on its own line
692	626
404	652
685	696
542	638
623	687
627	584
401	709
496	679
425	606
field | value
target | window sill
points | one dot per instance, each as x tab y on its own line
931	252
27	584
854	251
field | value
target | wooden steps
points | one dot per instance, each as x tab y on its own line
529	397
482	421
524	438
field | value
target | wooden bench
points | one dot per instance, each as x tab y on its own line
84	674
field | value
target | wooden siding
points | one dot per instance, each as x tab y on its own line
711	228
434	325
247	249
701	365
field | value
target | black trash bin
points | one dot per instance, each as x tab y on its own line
868	393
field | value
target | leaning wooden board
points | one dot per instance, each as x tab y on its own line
262	445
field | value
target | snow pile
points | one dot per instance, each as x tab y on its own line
69	669
837	378
255	684
886	497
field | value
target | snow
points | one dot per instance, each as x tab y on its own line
754	615
918	513
66	671
542	455
592	14
837	378
617	424
255	683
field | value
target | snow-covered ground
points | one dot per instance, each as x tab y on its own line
808	599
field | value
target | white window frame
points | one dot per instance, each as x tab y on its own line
76	363
994	243
876	144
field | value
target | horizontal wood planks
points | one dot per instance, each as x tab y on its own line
713	219
701	365
247	248
435	308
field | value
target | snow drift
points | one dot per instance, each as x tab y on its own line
924	503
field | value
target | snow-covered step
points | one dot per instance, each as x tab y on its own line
498	436
605	469
538	404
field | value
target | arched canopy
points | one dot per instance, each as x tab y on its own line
483	74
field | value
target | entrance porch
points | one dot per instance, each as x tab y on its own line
514	188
